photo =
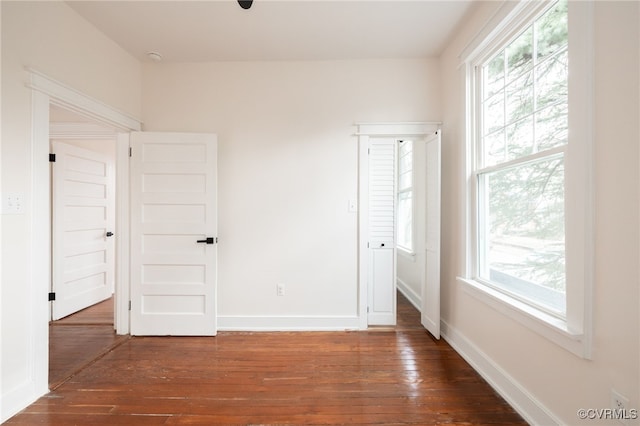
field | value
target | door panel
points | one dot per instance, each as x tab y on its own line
82	214
430	315
382	304
173	206
382	253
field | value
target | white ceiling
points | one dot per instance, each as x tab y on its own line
220	30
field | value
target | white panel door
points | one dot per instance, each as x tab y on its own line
173	233
430	315
83	220
382	252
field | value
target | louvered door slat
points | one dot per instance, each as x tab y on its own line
382	192
381	232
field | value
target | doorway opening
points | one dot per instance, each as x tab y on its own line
399	184
45	93
82	213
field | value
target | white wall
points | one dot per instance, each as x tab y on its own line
53	39
546	381
287	169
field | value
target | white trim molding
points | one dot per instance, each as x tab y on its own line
398	129
287	323
501	26
122	290
365	132
86	106
410	294
81	131
546	325
573	333
47	92
532	410
38	280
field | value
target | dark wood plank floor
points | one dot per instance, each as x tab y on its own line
77	340
98	314
390	377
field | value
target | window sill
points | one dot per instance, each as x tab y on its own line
554	329
411	256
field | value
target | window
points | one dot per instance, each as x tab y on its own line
520	164
405	196
529	221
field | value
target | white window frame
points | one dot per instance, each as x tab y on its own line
573	333
408	251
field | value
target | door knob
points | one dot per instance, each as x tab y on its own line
109	234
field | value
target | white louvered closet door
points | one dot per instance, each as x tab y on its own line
382	253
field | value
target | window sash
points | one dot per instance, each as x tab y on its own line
522	284
405	196
575	332
481	169
405	224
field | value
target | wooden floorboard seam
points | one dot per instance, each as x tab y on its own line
98	356
393	377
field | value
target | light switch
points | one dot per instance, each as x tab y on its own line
12	203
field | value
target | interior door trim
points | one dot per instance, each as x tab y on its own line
364	132
46	92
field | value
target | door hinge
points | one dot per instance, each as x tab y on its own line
52	158
367	309
130	151
52	297
129	304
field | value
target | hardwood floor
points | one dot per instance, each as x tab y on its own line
390	377
98	314
77	340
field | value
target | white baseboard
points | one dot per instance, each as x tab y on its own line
17	399
532	410
287	323
410	294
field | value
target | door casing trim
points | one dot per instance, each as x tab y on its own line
366	131
45	92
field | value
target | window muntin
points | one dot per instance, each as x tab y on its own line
405	195
522	136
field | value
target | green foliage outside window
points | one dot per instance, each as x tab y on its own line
524	127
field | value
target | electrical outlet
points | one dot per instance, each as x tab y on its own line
280	289
620	406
